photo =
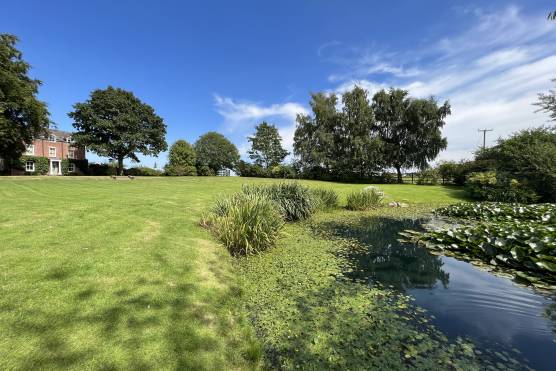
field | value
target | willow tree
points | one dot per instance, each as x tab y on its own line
409	128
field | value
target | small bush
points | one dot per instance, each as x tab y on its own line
325	198
282	171
428	176
497	186
102	169
245	223
295	201
366	199
204	170
142	171
180	170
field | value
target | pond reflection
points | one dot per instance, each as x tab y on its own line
465	301
379	257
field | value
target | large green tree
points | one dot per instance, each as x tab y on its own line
316	136
216	152
266	147
409	128
336	143
116	124
361	148
22	116
181	159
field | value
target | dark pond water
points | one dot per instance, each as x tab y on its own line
494	312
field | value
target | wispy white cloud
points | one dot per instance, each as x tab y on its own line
241	117
491	73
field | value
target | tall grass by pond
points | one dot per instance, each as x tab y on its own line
250	221
325	198
295	201
244	223
365	199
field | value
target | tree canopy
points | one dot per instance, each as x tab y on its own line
181	159
22	116
215	152
547	103
116	124
362	138
266	147
528	156
410	128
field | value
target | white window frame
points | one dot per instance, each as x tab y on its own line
52	138
31	168
71	167
71	152
30	150
50	153
68	139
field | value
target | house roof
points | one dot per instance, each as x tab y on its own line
60	133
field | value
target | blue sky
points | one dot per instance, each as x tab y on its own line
226	66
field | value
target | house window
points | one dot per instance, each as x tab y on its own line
30	150
51	151
52	137
71	168
30	166
71	153
68	139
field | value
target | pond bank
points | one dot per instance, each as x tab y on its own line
310	312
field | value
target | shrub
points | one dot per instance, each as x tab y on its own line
497	186
250	170
428	176
325	198
529	156
295	201
142	171
245	223
282	171
365	199
204	170
102	169
180	170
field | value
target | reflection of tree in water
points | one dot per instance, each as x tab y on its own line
378	256
550	314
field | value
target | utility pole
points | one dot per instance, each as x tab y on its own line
484	136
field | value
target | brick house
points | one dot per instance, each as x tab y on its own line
57	147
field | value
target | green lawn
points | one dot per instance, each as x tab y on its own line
103	274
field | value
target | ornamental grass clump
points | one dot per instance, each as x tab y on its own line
295	201
245	223
325	198
365	199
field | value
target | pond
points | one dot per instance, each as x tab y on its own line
497	314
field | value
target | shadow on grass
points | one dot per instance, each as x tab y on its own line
142	323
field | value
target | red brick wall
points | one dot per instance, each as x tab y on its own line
62	149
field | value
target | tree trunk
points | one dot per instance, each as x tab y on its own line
399	171
120	166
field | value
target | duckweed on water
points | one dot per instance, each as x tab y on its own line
310	315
